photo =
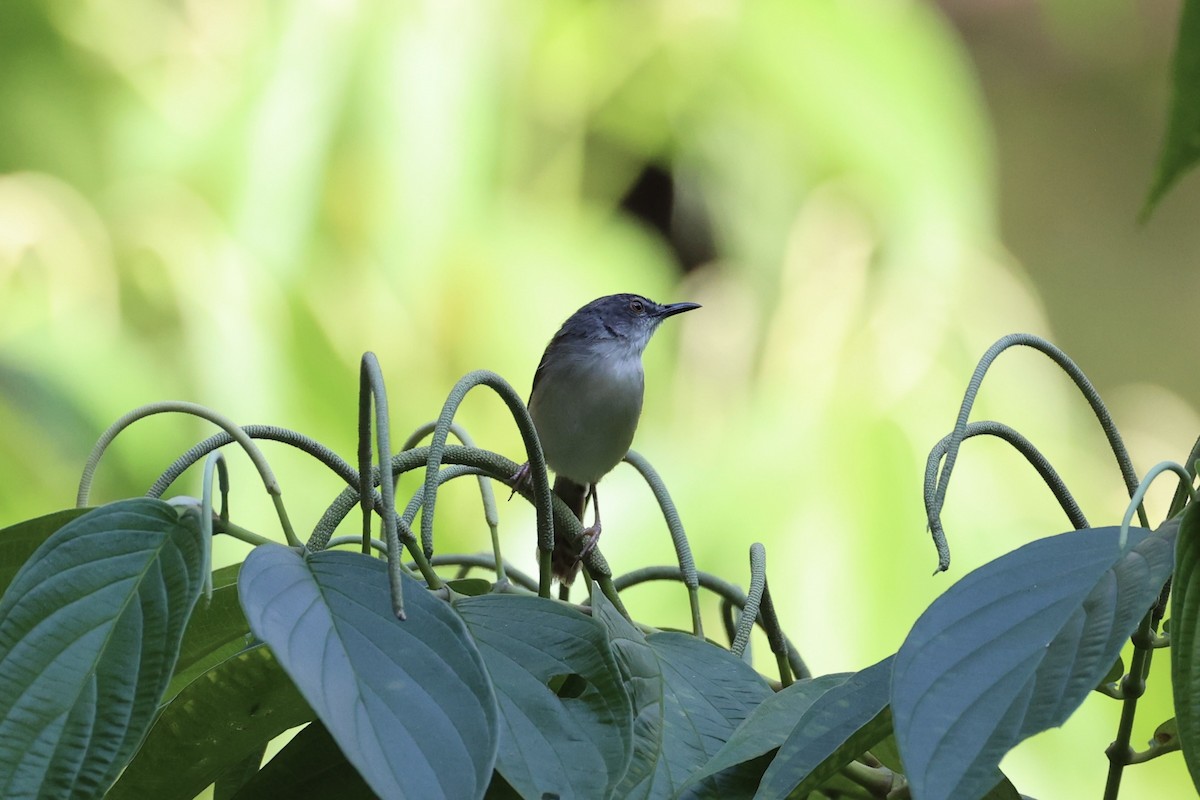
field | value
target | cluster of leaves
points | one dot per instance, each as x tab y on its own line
129	669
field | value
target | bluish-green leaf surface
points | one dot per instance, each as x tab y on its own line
1013	649
18	542
837	727
1185	640
770	724
572	746
409	703
89	633
688	697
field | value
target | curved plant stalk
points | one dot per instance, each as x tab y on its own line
483	561
377	545
247	444
487	496
758	581
683	549
933	511
1026	448
271	432
537	465
778	642
1135	502
488	463
1133	685
371	391
1181	494
214	462
723	589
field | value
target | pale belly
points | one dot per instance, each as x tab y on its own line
586	419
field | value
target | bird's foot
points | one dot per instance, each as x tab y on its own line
518	478
590	535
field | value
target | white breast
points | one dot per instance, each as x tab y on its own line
586	416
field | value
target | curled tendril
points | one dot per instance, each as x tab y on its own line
934	501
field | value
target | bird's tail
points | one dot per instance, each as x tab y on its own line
565	559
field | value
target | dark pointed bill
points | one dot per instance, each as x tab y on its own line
672	309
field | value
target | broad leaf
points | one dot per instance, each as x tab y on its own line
409	703
770	724
89	633
1181	147
643	680
18	542
707	693
1013	649
216	631
309	767
1185	639
577	745
226	714
839	726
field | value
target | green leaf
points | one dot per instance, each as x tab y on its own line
1181	148
216	631
471	587
409	703
577	745
643	680
18	542
770	724
89	633
839	726
309	767
214	724
1013	649
1185	640
707	693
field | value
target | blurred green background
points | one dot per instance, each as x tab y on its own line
229	201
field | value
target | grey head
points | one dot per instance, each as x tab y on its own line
627	319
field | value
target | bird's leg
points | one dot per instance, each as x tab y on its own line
518	478
592	533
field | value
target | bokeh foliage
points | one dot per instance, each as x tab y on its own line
231	201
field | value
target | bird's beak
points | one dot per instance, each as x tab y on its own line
671	309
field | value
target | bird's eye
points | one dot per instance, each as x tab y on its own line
637	306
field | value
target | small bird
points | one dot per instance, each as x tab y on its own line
586	401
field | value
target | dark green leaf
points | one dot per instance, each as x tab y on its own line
214	724
470	587
233	779
576	745
216	631
839	726
643	680
707	693
1013	649
309	767
770	724
409	703
17	542
89	633
1185	639
1181	147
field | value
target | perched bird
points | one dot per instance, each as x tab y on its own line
586	401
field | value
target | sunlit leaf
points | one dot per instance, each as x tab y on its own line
409	703
89	632
1013	649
